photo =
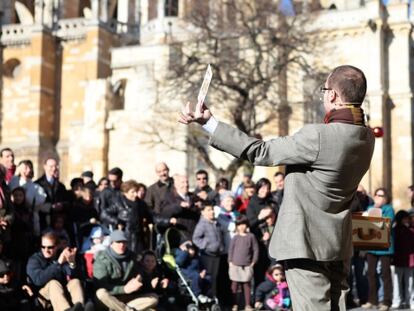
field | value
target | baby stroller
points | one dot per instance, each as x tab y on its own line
165	250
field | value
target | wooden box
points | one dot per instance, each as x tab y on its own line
371	233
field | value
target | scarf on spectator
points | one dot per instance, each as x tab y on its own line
123	259
349	115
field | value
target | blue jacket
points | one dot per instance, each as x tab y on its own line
41	270
388	212
187	263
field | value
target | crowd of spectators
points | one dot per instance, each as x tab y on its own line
101	245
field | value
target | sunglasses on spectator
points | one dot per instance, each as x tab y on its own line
48	246
3	274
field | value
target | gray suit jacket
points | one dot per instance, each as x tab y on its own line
325	163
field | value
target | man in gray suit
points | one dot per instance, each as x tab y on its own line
325	163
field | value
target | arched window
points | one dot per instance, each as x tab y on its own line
171	8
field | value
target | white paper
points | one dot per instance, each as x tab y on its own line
204	87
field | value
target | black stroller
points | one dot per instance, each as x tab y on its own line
166	247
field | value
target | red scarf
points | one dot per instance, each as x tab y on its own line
349	115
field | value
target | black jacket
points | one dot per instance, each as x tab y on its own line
256	204
187	218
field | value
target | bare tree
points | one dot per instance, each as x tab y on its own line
251	48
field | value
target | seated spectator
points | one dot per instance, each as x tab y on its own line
153	280
242	200
208	237
93	247
273	293
120	289
12	296
187	258
55	276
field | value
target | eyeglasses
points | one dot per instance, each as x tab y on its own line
48	246
323	89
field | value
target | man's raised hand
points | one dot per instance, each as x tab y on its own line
201	114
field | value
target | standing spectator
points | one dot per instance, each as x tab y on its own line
203	190
7	159
222	185
247	179
208	238
142	191
381	201
360	204
279	179
108	196
259	201
117	280
243	200
178	208
88	182
403	259
157	191
22	231
103	183
133	216
56	194
226	216
54	276
35	195
6	209
243	255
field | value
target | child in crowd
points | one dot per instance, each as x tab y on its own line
96	244
273	293
404	258
208	238
13	297
243	254
186	257
57	226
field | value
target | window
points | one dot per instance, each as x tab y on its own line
171	7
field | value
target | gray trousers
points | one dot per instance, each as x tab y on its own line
317	285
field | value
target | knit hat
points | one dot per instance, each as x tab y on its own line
118	236
96	232
225	195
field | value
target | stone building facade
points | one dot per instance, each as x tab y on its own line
80	77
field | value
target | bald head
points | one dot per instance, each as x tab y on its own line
162	171
181	184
